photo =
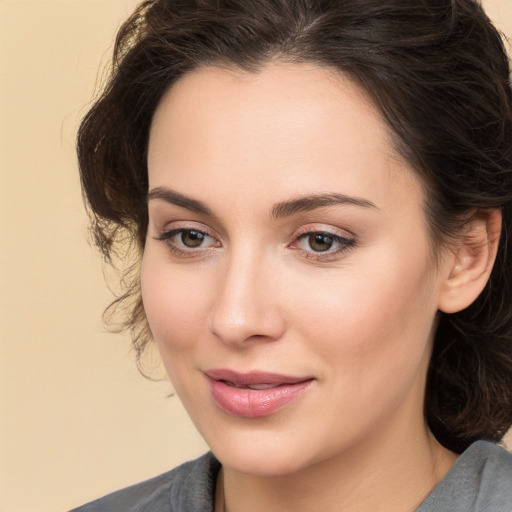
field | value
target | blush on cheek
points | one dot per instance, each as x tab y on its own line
378	318
174	303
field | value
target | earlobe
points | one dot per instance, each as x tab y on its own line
471	263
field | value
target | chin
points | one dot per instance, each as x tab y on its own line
265	453
261	463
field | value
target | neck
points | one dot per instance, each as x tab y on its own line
390	473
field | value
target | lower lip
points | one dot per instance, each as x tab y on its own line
255	403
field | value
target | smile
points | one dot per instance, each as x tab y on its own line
254	394
250	386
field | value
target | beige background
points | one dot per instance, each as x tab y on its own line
76	419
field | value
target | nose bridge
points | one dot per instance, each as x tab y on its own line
244	308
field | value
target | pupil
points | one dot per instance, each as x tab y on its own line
320	242
192	238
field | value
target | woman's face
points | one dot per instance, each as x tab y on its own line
287	276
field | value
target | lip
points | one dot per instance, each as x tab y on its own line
254	394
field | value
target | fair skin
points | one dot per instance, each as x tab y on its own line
338	292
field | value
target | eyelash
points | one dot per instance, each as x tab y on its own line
167	236
344	243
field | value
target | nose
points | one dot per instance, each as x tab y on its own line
246	308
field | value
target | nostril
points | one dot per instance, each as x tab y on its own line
245	310
257	328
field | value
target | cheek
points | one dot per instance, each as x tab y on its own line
374	317
370	335
174	303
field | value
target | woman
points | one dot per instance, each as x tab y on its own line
320	192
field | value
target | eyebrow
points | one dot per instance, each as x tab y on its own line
279	210
170	196
312	202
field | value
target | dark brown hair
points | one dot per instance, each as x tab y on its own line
438	72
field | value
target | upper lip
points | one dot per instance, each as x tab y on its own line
255	377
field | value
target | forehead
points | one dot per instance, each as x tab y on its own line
304	126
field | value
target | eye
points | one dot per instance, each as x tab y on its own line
187	241
318	245
192	238
318	242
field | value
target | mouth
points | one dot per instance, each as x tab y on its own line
254	394
250	386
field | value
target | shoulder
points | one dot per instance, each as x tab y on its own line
189	487
480	481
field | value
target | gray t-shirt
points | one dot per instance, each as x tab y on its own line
480	481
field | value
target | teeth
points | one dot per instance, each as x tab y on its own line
231	384
261	386
250	386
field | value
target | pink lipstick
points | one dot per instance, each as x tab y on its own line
254	394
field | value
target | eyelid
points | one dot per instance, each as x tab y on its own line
184	225
176	227
345	239
323	228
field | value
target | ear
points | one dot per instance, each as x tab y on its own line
469	267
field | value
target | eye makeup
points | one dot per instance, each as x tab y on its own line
313	242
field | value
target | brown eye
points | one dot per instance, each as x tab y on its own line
322	245
320	242
192	238
187	241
